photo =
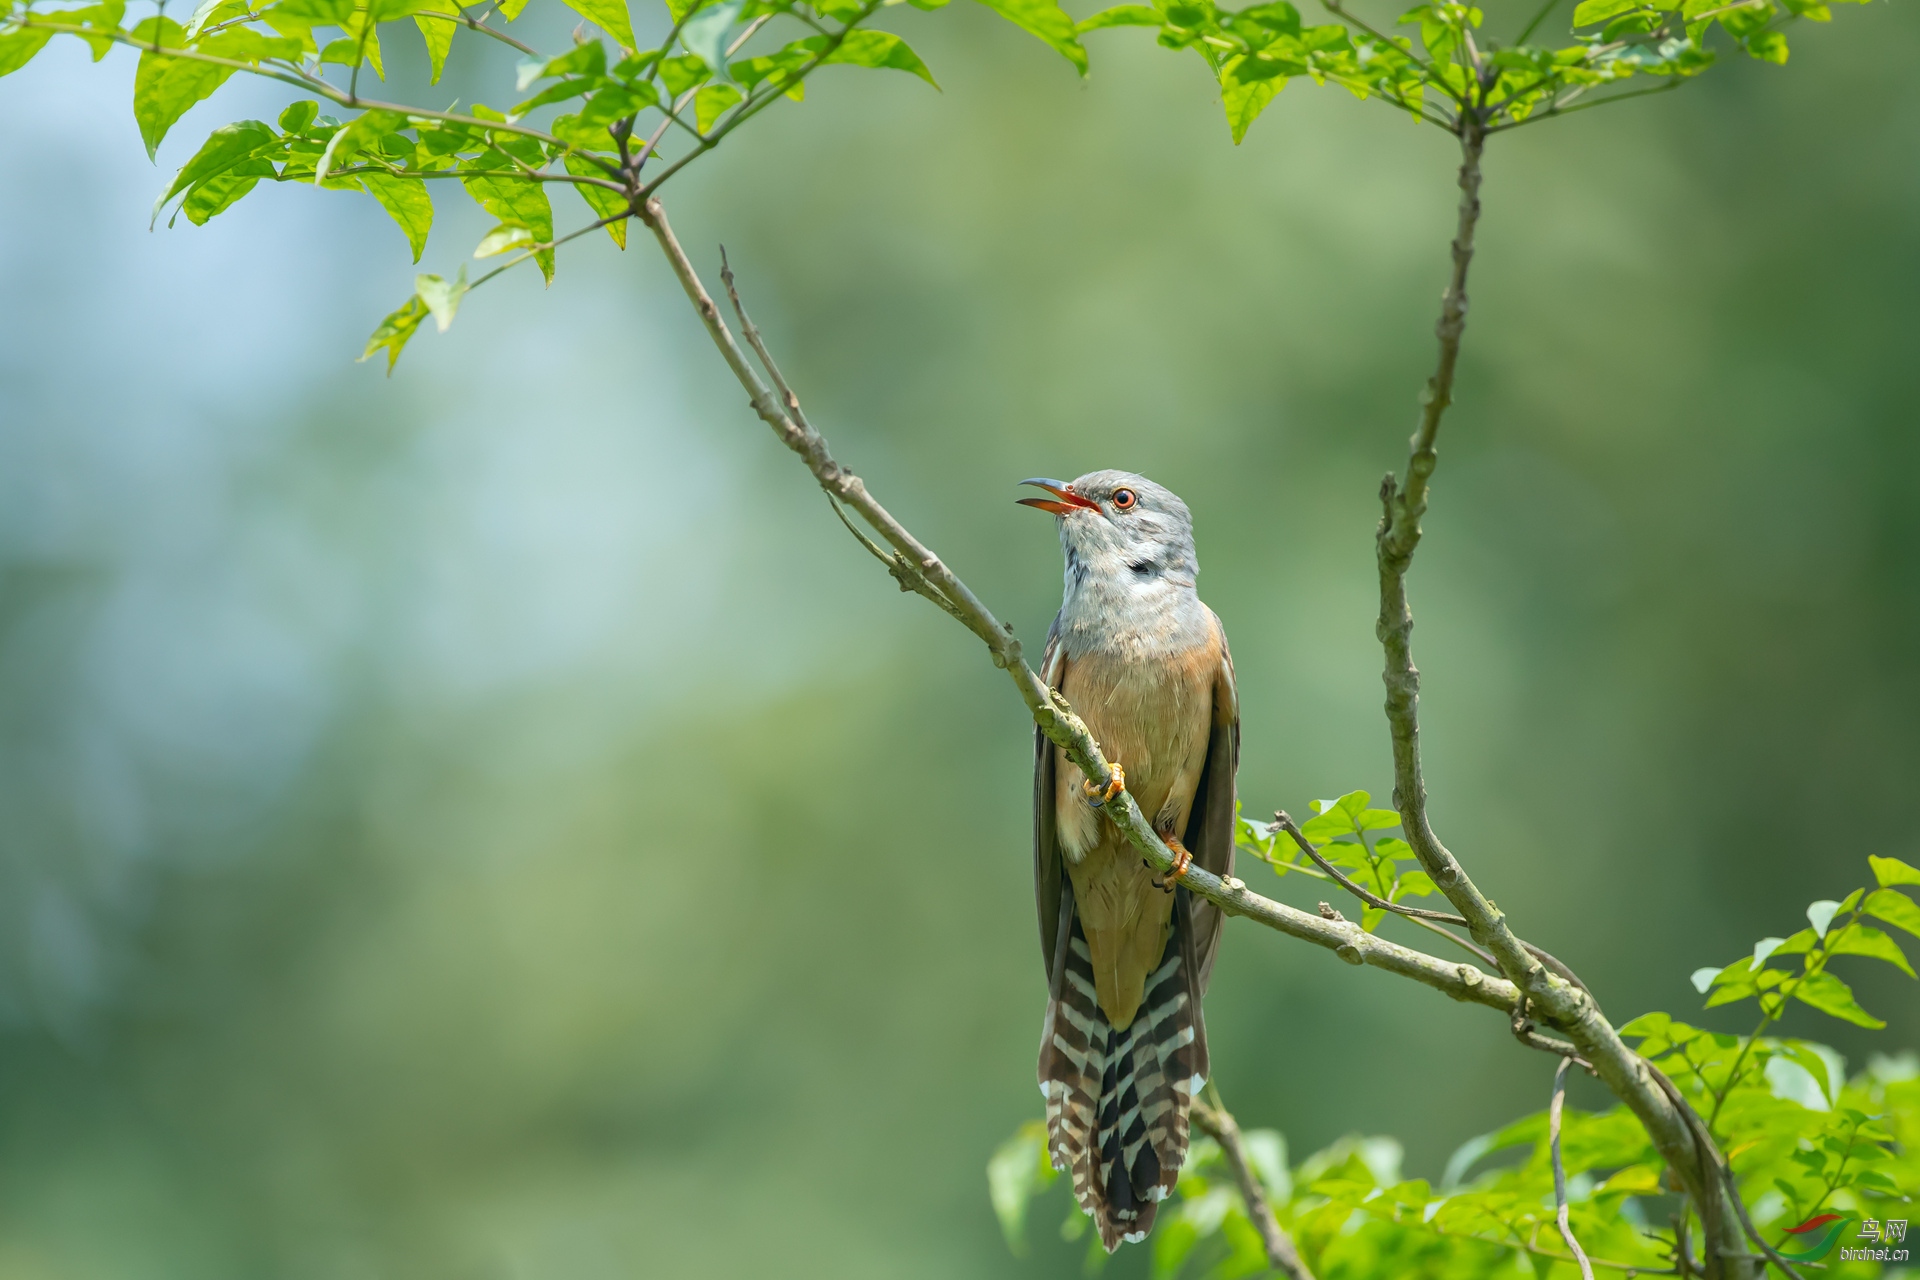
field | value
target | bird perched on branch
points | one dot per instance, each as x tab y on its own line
1145	664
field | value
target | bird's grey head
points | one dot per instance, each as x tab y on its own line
1122	530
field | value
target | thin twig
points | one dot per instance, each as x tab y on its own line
1218	1123
1286	824
474	24
1417	914
1560	1169
539	249
1538	18
1558	110
758	102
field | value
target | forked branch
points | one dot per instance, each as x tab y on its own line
1562	1004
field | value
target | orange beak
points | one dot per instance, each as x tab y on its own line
1069	500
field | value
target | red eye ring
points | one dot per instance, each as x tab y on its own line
1123	499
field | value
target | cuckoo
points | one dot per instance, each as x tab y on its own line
1123	1048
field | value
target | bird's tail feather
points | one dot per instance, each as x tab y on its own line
1117	1099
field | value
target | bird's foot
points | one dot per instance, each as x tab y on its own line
1181	861
1098	795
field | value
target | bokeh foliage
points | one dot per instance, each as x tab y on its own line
1802	1140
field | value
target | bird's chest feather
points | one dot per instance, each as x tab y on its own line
1151	712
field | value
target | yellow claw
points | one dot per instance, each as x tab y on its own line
1182	859
1098	795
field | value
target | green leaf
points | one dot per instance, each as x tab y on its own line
1769	46
519	202
589	59
442	299
438	33
217	194
684	72
164	87
360	133
1820	915
608	15
1764	948
1589	12
1895	908
18	47
1416	884
315	13
604	203
1892	871
1121	15
1047	20
1704	978
407	203
711	102
389	10
705	33
1018	1171
877	49
1833	997
205	11
1813	1062
504	238
394	331
243	45
1647	1024
299	115
224	148
1865	940
510	9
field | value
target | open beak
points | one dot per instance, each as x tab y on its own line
1069	500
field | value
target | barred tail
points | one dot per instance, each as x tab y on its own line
1117	1099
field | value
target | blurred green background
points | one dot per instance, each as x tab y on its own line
425	802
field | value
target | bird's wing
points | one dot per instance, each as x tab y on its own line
1210	823
1047	874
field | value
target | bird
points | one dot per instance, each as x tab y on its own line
1145	664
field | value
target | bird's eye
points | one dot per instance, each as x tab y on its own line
1123	499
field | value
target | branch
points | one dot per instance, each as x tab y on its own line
1051	712
1561	1003
1560	1169
1218	1123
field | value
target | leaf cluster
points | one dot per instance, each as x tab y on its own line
1803	1139
1447	71
1344	832
610	117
